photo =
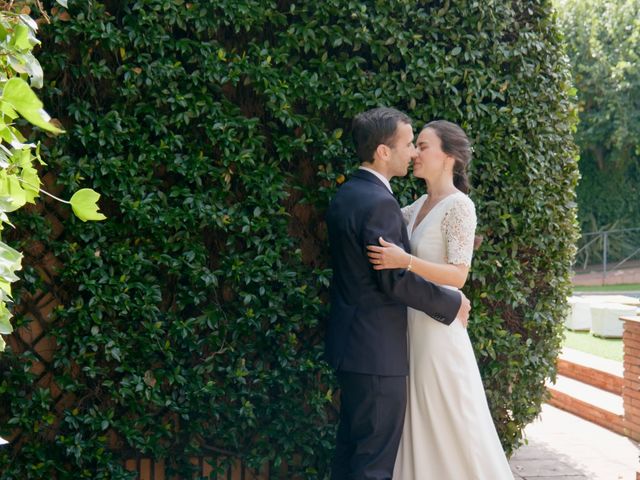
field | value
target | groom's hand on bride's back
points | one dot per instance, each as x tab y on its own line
463	313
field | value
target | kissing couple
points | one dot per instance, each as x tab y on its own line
412	403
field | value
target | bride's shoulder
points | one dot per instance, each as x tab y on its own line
461	198
461	204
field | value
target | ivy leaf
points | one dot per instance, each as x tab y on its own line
18	94
10	261
27	63
63	3
84	204
21	37
12	195
29	175
5	325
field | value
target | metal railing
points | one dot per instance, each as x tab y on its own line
601	249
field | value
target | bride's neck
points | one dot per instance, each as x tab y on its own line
440	188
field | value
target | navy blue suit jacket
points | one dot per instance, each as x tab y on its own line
367	329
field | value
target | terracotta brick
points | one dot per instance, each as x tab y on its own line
630	333
51	264
131	465
633	352
56	226
631	377
632	434
632	423
31	331
589	412
65	402
46	348
51	185
13	343
631	367
44	275
236	471
37	367
631	327
34	249
631	410
603	380
45	305
158	470
145	469
630	391
631	402
631	342
207	469
28	296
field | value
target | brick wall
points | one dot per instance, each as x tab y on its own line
631	386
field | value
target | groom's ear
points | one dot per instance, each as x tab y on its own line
381	153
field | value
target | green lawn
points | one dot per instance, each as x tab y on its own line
628	287
610	348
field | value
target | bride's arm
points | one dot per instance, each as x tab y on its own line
389	255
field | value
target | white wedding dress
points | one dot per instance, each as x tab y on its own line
448	431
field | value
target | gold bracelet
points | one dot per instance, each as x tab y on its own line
410	262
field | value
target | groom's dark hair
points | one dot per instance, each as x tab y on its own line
375	127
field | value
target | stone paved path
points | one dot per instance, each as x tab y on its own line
565	447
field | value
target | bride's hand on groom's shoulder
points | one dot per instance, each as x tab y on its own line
387	255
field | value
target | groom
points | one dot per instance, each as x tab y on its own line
367	332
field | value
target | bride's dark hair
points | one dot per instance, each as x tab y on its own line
454	142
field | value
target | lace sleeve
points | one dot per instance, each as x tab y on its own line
409	210
459	227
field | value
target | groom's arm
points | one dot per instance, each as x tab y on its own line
440	303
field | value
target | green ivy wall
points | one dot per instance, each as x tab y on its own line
192	319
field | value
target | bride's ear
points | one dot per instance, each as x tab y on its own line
450	162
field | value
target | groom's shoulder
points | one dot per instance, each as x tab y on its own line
362	197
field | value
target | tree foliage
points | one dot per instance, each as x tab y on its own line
19	178
192	321
603	43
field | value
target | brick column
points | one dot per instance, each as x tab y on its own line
631	387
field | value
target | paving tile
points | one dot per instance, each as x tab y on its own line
563	446
549	467
561	477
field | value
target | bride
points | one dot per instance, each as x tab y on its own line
448	431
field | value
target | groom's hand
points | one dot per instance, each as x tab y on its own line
463	313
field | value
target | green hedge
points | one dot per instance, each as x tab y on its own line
216	133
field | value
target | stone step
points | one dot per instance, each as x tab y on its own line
598	372
593	404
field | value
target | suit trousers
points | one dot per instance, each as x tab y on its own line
372	410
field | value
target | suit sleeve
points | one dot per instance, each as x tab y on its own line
442	304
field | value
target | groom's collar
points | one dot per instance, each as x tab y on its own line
380	177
